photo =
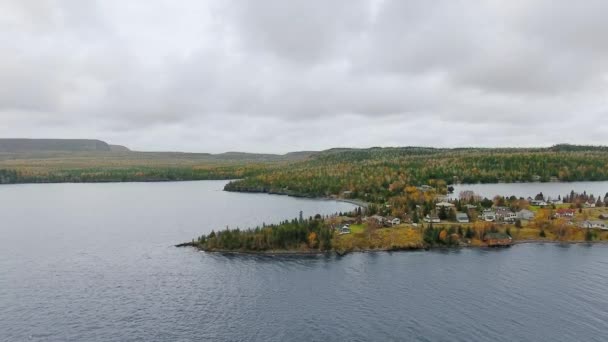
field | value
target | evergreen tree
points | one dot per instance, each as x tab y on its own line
415	218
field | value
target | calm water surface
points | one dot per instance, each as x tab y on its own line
94	262
531	189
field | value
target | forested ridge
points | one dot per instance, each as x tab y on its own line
373	174
379	173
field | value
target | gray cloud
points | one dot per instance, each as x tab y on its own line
276	76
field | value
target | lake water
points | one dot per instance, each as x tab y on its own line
94	262
531	189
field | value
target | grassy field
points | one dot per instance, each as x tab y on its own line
402	237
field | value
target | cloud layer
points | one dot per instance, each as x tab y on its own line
277	76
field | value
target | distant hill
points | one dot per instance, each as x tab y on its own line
119	148
53	145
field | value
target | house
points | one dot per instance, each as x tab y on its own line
379	219
539	203
462	218
525	214
595	225
446	205
432	218
564	212
505	214
390	221
510	217
488	215
345	230
497	240
589	204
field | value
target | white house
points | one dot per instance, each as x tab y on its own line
488	215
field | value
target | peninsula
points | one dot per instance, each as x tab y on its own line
468	221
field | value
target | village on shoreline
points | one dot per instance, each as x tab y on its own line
443	222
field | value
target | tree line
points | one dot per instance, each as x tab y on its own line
296	234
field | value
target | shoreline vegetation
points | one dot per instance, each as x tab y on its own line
364	230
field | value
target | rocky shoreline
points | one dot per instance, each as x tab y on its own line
391	249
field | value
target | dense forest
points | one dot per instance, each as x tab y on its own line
297	234
378	174
374	174
125	174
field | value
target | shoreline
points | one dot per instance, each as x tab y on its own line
398	249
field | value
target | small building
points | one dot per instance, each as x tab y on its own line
525	214
488	215
497	240
345	230
595	225
539	203
564	212
589	204
432	218
379	219
555	201
462	218
505	214
445	205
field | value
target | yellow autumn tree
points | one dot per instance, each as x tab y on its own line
312	240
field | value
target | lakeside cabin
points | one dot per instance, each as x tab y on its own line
497	240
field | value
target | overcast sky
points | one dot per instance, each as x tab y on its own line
279	76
